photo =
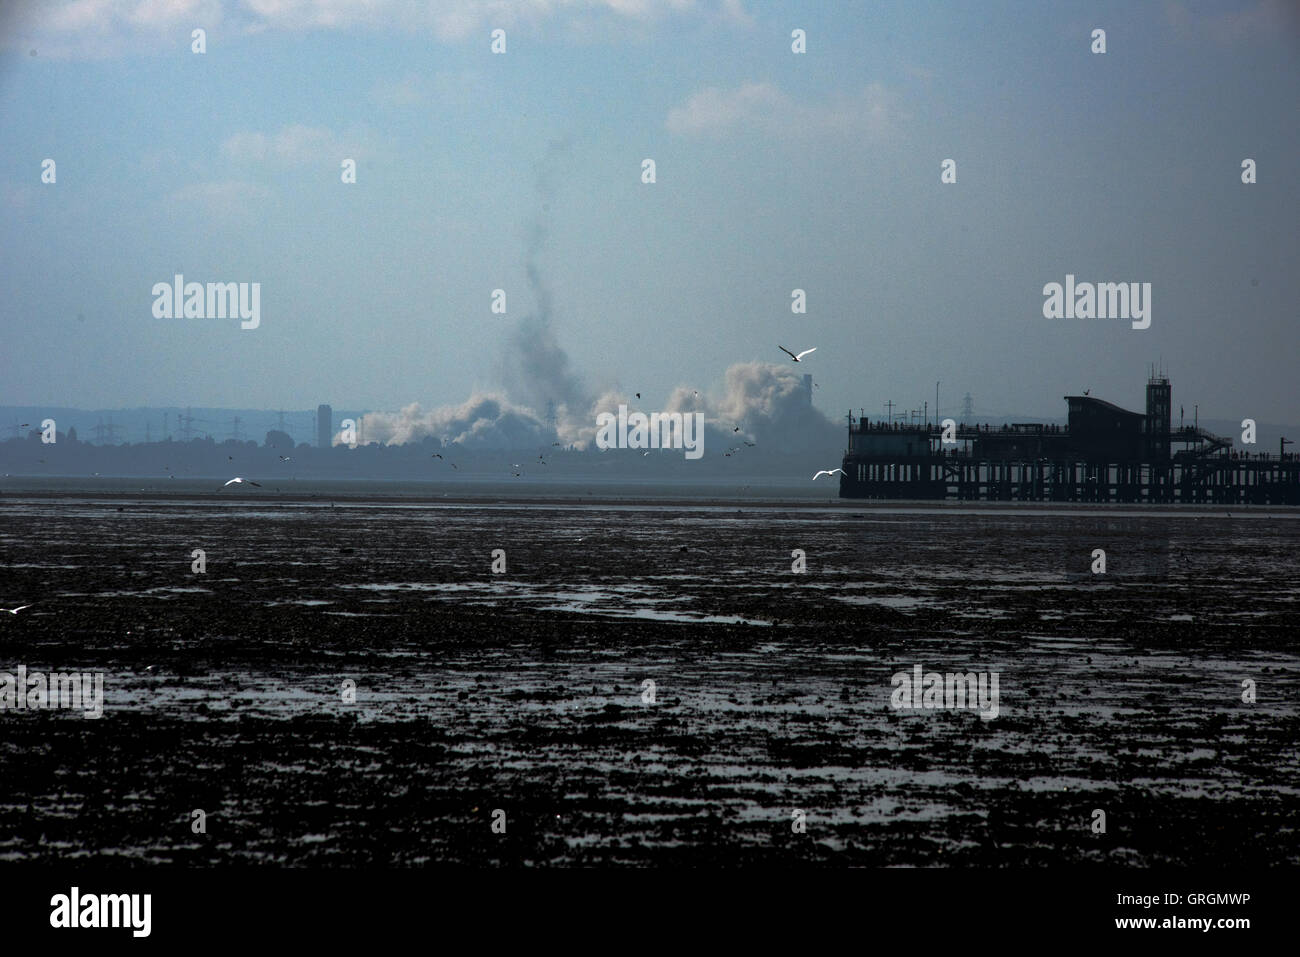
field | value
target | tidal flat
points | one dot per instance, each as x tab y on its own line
525	691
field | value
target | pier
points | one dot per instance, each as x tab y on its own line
1105	454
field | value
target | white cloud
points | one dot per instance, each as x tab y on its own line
97	28
80	15
764	108
228	199
734	10
295	145
165	14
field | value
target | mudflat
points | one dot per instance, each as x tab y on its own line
525	691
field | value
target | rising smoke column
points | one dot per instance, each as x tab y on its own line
535	368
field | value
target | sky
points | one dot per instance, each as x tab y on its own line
774	171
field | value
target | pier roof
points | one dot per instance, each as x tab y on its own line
1102	403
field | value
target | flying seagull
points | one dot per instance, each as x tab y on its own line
435	456
1086	391
241	481
798	357
825	472
14	611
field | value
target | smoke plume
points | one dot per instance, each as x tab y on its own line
546	401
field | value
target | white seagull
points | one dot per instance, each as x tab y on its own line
241	481
798	357
825	472
14	611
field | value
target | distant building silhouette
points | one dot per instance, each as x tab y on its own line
324	426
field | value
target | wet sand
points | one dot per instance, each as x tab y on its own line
522	691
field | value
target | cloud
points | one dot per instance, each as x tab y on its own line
734	11
228	199
97	29
295	145
166	14
765	109
92	29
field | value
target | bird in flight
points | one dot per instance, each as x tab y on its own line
285	458
14	611
799	357
825	472
435	456
241	481
1086	391
638	395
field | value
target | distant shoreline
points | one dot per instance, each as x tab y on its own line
495	498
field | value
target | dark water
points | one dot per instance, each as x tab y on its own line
522	691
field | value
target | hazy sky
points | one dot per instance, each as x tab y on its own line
775	171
